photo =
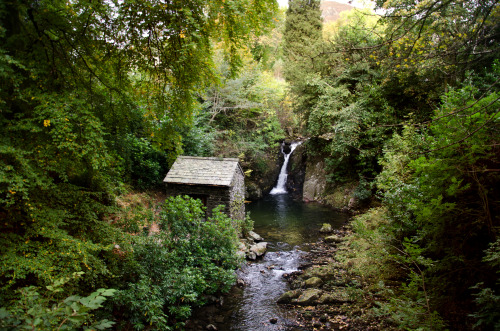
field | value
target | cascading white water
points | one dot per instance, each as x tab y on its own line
280	186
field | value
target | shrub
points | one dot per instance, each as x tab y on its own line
35	311
146	165
488	299
180	265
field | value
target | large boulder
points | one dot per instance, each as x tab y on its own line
313	282
314	181
288	297
309	297
259	249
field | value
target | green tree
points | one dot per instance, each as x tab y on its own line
302	39
80	82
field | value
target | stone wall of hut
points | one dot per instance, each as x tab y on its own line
237	196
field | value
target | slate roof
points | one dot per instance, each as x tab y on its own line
193	170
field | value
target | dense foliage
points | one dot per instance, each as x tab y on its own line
407	103
245	116
99	96
301	45
95	97
38	312
177	267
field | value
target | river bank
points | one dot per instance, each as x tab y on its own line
324	294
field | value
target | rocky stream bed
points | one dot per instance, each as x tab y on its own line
321	295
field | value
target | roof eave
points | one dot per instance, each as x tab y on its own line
195	184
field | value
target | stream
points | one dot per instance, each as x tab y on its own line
288	226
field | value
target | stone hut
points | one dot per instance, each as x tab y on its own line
215	181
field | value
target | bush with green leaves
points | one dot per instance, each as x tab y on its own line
145	165
198	140
180	265
439	193
50	310
488	297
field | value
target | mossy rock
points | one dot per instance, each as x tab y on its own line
313	282
334	239
323	272
333	297
287	297
326	228
309	297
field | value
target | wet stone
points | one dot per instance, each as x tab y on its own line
259	249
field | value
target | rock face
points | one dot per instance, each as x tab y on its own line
287	147
264	175
314	180
297	171
341	197
330	10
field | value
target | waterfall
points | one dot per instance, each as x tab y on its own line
280	187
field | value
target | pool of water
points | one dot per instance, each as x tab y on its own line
287	226
279	218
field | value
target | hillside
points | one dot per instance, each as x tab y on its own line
331	10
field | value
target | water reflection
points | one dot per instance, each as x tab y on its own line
280	218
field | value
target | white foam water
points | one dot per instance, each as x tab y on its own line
281	185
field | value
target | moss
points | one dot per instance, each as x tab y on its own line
338	197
